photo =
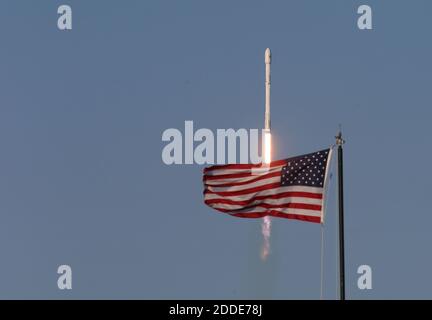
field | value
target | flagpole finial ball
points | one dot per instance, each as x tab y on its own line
339	140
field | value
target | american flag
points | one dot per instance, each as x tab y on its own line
293	188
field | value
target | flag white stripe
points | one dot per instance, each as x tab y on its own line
268	192
227	171
245	186
302	212
239	180
281	201
236	171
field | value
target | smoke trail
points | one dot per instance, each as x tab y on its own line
265	229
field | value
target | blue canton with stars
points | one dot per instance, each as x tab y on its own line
306	170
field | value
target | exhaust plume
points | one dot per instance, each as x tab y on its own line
265	230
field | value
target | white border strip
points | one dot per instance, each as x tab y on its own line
324	199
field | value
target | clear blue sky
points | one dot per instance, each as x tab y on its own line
81	118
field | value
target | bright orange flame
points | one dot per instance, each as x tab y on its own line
267	147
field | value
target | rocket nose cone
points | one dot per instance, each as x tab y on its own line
267	56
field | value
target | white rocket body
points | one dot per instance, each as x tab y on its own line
267	134
267	89
266	223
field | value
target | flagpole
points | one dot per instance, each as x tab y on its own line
339	143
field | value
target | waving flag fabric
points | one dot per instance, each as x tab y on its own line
292	188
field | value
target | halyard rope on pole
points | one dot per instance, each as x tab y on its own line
322	262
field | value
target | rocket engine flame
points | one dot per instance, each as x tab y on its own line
267	146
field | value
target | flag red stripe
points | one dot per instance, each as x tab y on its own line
224	176
242	166
274	196
246	191
233	184
239	175
250	190
276	213
305	206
